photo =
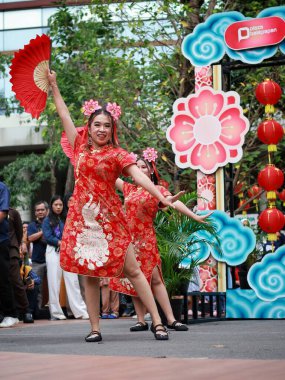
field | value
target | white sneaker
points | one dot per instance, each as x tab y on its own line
58	317
85	317
134	316
147	317
9	322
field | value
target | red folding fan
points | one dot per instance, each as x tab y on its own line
28	72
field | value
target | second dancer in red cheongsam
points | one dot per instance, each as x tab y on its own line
141	208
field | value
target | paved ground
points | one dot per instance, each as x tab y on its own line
220	350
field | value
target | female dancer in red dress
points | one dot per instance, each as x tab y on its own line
96	239
141	208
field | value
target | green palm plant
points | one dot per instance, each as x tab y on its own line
177	243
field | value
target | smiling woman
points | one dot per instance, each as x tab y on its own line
96	241
101	130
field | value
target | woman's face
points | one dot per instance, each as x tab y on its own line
101	130
57	207
143	167
25	228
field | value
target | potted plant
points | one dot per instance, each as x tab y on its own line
177	243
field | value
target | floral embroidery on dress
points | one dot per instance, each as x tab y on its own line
91	244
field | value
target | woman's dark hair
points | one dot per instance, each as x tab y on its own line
103	111
153	175
53	217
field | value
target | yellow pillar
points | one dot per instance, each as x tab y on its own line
220	186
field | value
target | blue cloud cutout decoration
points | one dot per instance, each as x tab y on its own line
236	241
245	304
267	278
206	45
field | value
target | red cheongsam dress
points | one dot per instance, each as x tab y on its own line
96	234
141	208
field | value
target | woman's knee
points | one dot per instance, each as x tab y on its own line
132	271
131	267
156	278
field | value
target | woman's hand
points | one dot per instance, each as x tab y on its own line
52	78
174	198
31	285
201	218
166	202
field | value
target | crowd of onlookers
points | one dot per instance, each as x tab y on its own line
32	284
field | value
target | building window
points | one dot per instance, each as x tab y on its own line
22	19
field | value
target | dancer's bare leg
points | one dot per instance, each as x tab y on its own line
134	274
140	309
161	295
92	298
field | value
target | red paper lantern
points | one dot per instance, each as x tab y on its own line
238	189
252	192
245	208
270	178
271	221
281	196
270	132
268	92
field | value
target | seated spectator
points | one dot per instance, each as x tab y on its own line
35	236
31	282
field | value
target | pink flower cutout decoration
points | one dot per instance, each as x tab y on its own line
206	189
207	130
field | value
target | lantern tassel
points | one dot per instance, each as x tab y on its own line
272	148
269	108
271	195
272	237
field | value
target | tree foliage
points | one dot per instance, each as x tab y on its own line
130	53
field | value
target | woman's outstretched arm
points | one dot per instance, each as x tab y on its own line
142	180
62	109
181	207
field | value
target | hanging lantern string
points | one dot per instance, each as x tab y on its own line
248	201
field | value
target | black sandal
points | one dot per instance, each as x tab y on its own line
178	326
94	336
139	326
156	331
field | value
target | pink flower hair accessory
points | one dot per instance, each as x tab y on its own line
114	109
150	154
134	156
90	106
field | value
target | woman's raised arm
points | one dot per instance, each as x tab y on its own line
62	109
